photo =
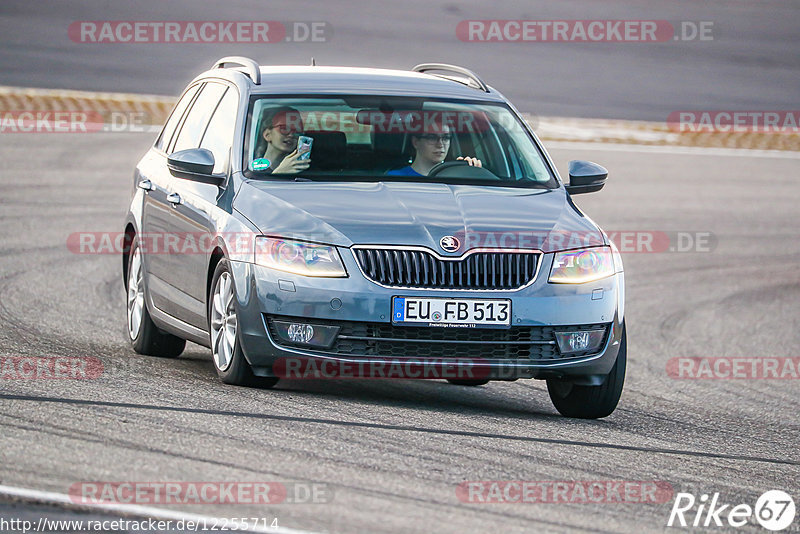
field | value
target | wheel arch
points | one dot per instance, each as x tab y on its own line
127	241
216	256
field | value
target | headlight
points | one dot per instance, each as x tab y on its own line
308	259
581	266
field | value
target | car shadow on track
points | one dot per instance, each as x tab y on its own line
429	395
525	400
392	427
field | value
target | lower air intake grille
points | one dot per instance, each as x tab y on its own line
526	343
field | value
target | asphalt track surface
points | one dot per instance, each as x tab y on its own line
393	452
751	64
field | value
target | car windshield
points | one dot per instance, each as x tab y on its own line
381	138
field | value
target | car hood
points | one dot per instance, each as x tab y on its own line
391	213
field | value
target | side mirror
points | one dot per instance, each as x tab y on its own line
586	177
196	164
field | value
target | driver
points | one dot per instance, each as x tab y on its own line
430	149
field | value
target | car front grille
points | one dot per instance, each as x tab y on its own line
417	268
518	343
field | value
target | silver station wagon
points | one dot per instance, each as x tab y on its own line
331	222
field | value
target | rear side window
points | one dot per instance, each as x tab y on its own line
177	113
196	121
219	133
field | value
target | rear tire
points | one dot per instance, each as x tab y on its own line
144	335
226	351
470	383
591	402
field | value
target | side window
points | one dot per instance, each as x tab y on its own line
219	134
177	113
196	121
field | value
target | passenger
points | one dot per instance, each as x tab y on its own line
278	143
430	149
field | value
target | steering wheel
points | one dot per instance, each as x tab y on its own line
461	169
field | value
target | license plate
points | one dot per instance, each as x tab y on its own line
466	313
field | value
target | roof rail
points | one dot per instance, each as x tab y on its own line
425	67
252	69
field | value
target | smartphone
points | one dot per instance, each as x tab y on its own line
304	146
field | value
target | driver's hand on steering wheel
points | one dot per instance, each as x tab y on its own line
473	162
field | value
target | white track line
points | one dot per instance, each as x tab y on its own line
664	149
48	497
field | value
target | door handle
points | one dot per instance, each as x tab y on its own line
175	199
147	185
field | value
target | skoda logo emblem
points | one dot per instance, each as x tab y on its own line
449	243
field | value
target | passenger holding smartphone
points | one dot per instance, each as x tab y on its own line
281	128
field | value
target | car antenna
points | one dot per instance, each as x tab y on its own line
313	63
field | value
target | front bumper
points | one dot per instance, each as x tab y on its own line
538	309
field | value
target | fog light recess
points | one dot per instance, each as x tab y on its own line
580	341
306	334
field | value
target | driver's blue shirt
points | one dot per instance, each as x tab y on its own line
405	171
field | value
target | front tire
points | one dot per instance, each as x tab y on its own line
144	335
229	361
591	402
